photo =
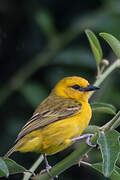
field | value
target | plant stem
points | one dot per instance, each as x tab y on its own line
113	124
98	72
106	73
116	123
33	168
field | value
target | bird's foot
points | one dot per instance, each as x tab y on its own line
48	167
88	136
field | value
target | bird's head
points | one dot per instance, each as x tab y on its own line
74	87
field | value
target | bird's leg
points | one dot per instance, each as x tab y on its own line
88	136
48	167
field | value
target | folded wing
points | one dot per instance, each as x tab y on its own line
50	111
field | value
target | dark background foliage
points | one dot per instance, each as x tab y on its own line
41	42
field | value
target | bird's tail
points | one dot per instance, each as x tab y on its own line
9	152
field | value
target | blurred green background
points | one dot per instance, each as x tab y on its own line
40	43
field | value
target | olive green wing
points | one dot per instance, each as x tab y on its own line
50	112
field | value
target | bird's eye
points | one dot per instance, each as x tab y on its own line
76	87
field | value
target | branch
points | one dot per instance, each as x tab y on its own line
103	76
33	168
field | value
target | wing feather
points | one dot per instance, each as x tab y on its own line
50	111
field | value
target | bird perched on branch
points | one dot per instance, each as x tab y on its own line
59	120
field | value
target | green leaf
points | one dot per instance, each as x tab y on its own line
3	168
13	167
115	173
104	108
113	42
95	45
110	147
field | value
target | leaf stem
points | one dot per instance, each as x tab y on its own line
85	163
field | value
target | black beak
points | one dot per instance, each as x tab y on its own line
90	88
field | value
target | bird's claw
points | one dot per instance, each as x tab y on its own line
88	141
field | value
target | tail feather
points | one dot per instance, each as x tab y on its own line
9	152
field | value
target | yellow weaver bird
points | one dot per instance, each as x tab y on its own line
59	120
